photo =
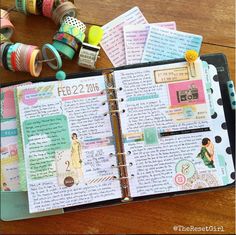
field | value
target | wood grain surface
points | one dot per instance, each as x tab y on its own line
215	21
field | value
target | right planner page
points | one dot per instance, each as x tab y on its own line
173	127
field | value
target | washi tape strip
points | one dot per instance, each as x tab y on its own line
231	90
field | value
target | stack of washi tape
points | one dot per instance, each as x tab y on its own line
67	41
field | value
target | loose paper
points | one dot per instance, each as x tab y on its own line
165	44
113	39
135	37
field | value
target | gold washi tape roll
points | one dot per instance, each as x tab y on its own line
35	68
63	10
31	6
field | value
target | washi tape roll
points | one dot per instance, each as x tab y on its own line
48	8
232	94
49	49
4	56
7	29
31	6
72	30
35	68
5	14
2	47
66	39
65	50
39	5
21	6
75	22
63	10
3	38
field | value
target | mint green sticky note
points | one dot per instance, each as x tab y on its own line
14	206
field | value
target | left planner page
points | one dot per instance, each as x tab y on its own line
67	142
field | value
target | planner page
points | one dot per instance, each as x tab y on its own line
9	144
67	143
174	134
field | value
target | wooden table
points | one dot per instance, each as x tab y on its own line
212	19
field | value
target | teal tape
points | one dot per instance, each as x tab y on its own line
232	95
65	50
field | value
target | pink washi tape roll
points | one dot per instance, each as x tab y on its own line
48	8
4	14
7	28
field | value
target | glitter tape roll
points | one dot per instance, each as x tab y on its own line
72	30
5	14
48	8
35	68
7	29
75	22
63	10
31	7
64	49
67	39
21	6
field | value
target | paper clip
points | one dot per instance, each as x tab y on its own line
191	56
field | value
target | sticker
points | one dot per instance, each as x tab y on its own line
185	167
171	75
203	180
150	136
188	112
190	92
69	181
64	167
180	179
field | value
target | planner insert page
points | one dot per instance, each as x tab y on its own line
67	142
174	132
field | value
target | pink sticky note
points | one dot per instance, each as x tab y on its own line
9	110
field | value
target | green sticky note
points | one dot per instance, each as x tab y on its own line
14	206
44	136
150	136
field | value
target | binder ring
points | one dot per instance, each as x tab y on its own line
123	177
122	165
113	100
118	154
111	88
112	112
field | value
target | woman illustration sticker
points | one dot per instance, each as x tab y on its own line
207	153
76	154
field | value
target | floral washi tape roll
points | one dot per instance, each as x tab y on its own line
31	6
72	30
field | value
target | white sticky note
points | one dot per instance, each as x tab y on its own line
113	39
165	44
135	37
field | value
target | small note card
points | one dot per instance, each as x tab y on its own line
113	39
135	37
166	44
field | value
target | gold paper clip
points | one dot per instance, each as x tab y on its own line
191	57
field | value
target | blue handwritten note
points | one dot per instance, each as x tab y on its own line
165	44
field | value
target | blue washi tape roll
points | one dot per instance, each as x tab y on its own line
65	50
56	55
231	90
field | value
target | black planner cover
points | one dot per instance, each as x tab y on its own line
220	62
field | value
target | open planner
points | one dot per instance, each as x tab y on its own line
118	135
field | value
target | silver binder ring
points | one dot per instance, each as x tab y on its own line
122	165
123	177
120	154
114	112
